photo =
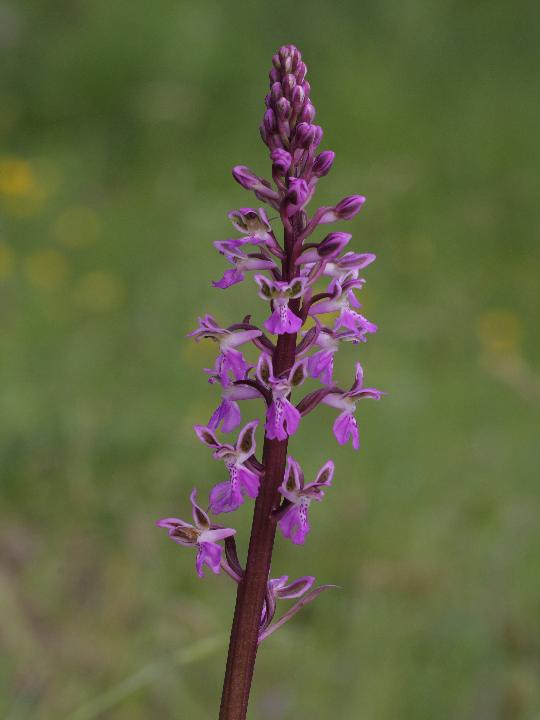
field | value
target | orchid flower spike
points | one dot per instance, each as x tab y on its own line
282	418
345	426
294	522
230	358
283	319
229	495
287	268
202	535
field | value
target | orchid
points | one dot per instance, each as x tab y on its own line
345	426
282	418
303	281
242	262
343	301
229	495
282	320
280	589
347	267
229	357
202	535
256	228
228	414
294	520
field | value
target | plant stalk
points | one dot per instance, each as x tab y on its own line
252	589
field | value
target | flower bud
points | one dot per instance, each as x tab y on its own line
245	177
349	207
288	83
275	92
323	163
270	121
281	161
297	196
332	245
283	108
317	135
307	114
300	73
297	97
303	136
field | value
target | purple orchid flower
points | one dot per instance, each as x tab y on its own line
294	522
229	358
229	495
282	320
202	535
327	250
253	223
282	418
241	262
256	228
321	363
298	196
341	302
345	426
347	267
280	589
227	414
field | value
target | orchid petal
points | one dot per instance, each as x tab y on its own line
200	518
206	436
246	445
345	428
225	497
210	555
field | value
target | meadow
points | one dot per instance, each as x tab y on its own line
119	125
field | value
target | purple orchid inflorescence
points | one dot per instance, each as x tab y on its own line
311	287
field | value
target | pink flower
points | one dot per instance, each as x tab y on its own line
202	535
229	495
294	522
282	418
282	320
345	426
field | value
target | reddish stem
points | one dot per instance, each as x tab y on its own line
252	589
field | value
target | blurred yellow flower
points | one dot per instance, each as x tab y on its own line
16	177
46	269
77	226
7	260
100	291
499	330
19	189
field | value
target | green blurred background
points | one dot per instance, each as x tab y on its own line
119	124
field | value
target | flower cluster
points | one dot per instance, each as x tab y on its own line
311	287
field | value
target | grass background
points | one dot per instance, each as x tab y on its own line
119	125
